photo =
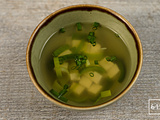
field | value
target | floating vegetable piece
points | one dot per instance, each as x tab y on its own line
96	62
91	74
57	67
93	68
54	93
61	93
91	37
79	26
113	58
95	25
62	30
60	50
104	94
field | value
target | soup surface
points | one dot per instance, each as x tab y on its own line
84	64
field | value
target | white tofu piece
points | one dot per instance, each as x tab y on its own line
77	88
64	65
74	76
66	52
89	48
107	65
75	43
85	81
96	78
114	72
87	63
95	89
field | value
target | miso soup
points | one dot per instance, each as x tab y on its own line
84	64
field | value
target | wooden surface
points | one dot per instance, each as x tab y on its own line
20	100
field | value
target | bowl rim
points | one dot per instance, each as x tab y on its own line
87	7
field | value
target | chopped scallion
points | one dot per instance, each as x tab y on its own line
79	26
105	93
96	62
57	67
61	93
111	59
62	30
95	25
54	93
91	74
91	37
60	50
91	33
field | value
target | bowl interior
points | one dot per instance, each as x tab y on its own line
72	15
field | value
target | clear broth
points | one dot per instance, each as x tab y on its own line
106	37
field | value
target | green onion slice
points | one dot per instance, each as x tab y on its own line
112	59
60	50
104	94
62	30
57	67
91	74
96	62
79	26
53	92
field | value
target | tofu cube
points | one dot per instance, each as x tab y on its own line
106	64
95	89
74	76
114	72
64	65
85	81
77	88
89	48
96	78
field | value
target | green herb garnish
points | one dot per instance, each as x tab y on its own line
54	93
79	26
111	59
80	60
62	30
95	25
61	93
91	74
96	62
91	37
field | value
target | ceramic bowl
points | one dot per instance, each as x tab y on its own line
83	13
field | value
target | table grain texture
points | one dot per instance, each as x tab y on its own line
20	100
